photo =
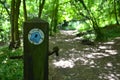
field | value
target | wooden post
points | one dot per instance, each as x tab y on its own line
36	49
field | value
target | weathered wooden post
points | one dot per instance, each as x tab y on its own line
35	49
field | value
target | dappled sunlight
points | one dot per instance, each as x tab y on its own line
104	47
68	40
1	53
5	61
109	64
111	73
98	61
100	55
64	63
109	76
111	42
77	38
69	32
118	64
70	63
87	56
87	49
111	52
74	50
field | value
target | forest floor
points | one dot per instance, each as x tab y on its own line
84	62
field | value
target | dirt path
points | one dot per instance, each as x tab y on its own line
83	62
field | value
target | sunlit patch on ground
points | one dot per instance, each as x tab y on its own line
64	63
104	47
109	76
69	32
111	42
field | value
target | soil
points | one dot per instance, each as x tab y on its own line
77	61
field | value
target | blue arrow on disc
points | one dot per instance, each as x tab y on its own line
35	37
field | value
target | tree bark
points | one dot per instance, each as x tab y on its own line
115	12
12	24
17	37
56	15
25	10
41	6
15	40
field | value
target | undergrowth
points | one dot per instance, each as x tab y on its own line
10	69
111	33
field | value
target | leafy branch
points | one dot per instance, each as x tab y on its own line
6	7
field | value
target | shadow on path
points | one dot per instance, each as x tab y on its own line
83	62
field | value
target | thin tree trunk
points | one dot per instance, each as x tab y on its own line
56	15
51	27
116	18
41	6
16	27
25	10
15	40
12	42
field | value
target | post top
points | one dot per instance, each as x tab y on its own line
37	20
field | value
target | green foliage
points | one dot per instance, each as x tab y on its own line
10	69
83	27
112	32
4	34
101	10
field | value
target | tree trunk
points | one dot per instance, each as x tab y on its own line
56	15
15	40
51	27
99	35
12	42
115	11
41	5
16	27
25	10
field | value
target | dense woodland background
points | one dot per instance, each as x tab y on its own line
93	20
81	15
